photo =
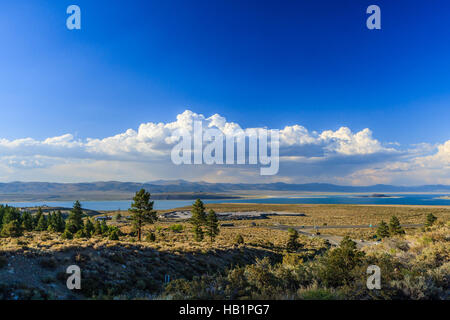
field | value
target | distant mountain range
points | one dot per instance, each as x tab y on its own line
179	189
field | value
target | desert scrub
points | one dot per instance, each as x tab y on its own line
176	228
316	293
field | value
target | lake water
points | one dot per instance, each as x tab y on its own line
407	199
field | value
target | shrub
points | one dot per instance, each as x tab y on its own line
431	219
114	235
318	294
339	262
176	227
67	235
239	239
12	229
292	259
150	237
80	234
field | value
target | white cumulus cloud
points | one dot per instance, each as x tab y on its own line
340	156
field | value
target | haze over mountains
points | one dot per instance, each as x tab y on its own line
180	189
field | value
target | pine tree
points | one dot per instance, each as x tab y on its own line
60	223
89	228
11	222
37	217
113	235
67	235
42	223
27	221
51	222
80	234
383	230
75	219
212	225
2	213
339	262
142	211
292	244
198	219
104	227
431	219
394	227
198	233
97	228
12	229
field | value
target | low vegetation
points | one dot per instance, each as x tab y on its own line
129	256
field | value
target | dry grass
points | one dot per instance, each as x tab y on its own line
336	215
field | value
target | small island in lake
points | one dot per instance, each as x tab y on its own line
376	195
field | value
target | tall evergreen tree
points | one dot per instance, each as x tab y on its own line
88	228
42	223
198	219
37	217
395	227
75	219
198	233
212	225
2	213
11	222
51	222
142	211
339	262
11	214
104	227
292	244
60	223
97	228
27	221
383	230
12	229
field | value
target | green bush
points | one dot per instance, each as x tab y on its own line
176	227
12	229
150	237
67	235
80	234
114	235
318	294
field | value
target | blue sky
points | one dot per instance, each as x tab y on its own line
257	63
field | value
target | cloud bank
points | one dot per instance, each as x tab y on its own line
340	156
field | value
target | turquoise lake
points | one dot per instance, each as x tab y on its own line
406	199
